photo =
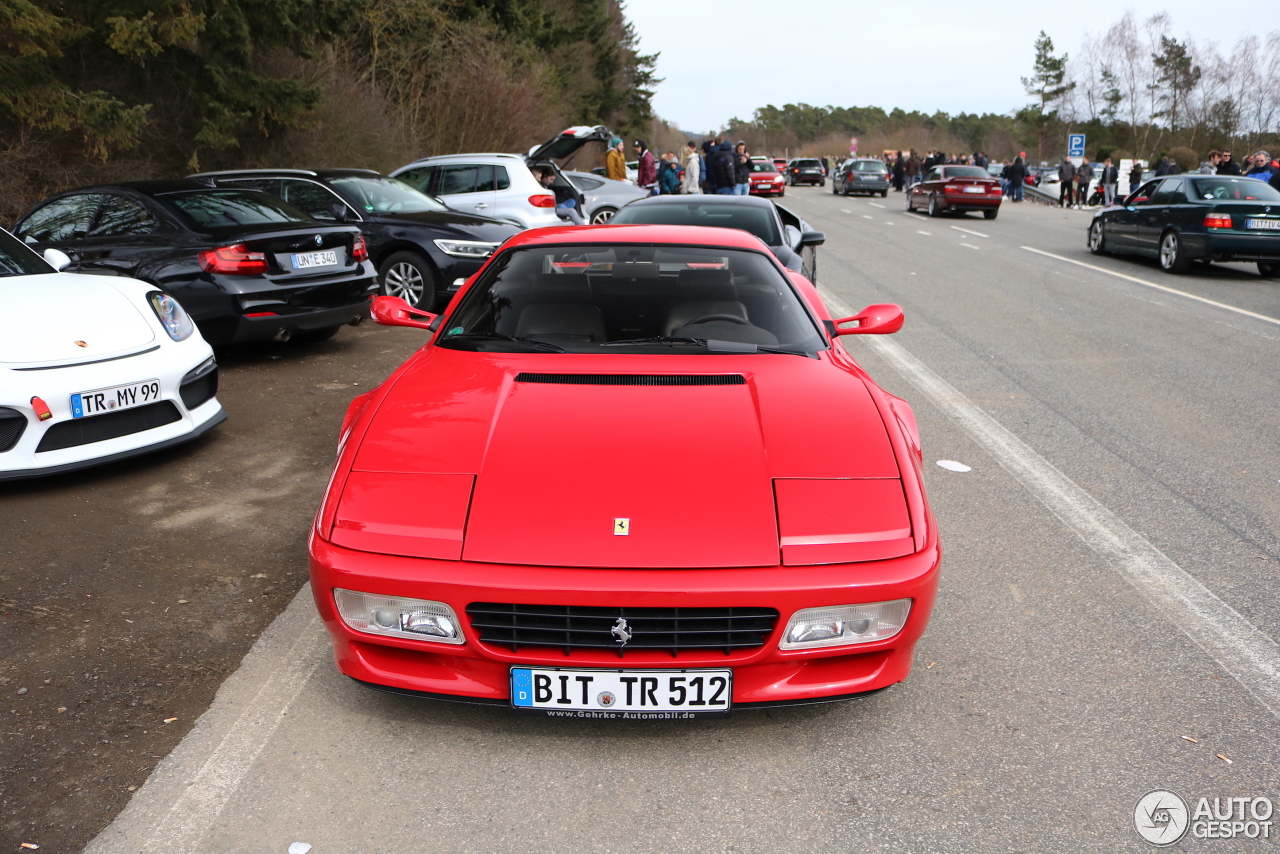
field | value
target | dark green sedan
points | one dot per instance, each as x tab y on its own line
1183	218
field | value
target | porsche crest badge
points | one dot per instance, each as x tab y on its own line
80	344
621	527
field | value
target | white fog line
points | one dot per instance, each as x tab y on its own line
200	804
967	231
1167	290
1237	645
874	205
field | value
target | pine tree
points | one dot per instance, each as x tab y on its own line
1047	86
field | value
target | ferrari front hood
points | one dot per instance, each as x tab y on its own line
588	461
67	318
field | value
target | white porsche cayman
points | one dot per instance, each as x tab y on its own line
93	368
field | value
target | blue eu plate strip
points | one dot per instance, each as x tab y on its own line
77	408
522	687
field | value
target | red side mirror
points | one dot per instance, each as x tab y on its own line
881	319
394	311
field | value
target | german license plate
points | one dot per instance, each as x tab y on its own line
309	260
1267	224
87	403
640	694
975	189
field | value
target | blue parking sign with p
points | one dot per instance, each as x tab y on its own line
1075	145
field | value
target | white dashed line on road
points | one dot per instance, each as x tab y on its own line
1167	290
874	205
890	222
970	245
867	216
925	233
1237	645
967	231
845	210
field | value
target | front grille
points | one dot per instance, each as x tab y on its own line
570	627
632	379
99	428
12	423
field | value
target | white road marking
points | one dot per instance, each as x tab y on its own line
967	231
970	245
845	210
1167	290
200	804
874	205
925	233
1243	650
867	216
890	222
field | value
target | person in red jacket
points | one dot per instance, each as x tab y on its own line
647	177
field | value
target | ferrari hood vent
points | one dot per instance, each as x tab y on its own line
632	379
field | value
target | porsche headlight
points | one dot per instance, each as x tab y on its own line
466	248
173	317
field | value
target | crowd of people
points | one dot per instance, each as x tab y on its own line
718	167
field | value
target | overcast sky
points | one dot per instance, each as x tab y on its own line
722	59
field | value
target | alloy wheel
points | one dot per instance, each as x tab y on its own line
1097	241
404	280
602	216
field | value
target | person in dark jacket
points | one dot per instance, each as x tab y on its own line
647	174
1017	175
741	170
722	166
1110	178
899	173
708	175
1227	166
1135	177
1067	180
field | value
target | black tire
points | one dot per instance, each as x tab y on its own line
1173	257
602	215
1269	269
409	276
836	192
884	194
1097	238
822	183
934	210
311	336
991	214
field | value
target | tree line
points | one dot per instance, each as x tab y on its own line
1135	90
95	91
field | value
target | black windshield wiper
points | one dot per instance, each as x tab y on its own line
495	336
784	351
657	339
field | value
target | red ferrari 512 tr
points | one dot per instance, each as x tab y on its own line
632	473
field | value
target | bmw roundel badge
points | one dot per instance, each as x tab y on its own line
319	240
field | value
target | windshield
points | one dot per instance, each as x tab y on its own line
232	208
385	195
1234	190
17	260
966	172
762	166
869	166
628	298
753	219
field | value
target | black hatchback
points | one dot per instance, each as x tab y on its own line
243	264
422	249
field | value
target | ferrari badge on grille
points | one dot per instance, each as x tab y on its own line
621	631
621	527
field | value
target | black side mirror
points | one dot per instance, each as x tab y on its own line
813	238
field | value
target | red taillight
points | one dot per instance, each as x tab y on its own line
360	249
41	408
261	314
1217	221
542	201
235	260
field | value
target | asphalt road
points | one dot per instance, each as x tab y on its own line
1106	624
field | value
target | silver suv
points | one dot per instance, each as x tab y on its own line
502	185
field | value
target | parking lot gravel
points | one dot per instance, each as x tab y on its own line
130	591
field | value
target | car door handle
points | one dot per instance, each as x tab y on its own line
481	205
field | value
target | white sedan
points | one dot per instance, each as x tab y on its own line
93	368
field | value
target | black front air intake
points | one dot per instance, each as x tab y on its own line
113	425
632	379
570	627
12	425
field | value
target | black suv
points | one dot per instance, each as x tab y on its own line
244	265
806	171
422	249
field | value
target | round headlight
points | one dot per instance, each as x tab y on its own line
173	317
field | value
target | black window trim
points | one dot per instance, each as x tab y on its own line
319	182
